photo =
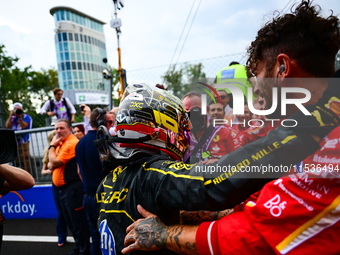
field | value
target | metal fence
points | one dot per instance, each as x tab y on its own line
211	66
32	161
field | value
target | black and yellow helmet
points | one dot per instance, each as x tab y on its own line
143	111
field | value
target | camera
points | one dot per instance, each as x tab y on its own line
106	74
82	107
18	111
8	146
197	119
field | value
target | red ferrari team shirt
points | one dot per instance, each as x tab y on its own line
296	214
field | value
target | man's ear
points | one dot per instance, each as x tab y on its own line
283	65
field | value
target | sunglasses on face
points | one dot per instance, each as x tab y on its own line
222	97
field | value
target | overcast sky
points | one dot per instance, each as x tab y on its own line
150	28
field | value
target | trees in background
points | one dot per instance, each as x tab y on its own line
26	86
181	81
32	88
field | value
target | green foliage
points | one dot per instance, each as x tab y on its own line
115	75
174	81
14	82
31	88
181	81
41	86
116	85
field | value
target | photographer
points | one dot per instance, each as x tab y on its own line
86	111
18	120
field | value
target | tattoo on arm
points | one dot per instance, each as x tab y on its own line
151	233
197	217
191	247
175	233
179	241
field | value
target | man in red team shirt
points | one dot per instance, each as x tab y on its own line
212	148
295	214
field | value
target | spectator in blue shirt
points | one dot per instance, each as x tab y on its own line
18	120
90	171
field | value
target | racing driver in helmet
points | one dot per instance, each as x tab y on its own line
153	130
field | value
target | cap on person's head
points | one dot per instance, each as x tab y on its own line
234	63
17	104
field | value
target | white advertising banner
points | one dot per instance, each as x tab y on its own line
91	98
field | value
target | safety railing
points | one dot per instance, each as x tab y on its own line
30	154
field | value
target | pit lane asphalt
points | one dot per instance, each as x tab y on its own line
33	237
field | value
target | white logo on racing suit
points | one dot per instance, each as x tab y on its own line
275	206
107	240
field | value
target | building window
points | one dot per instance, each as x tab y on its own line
68	65
76	37
57	15
70	36
74	66
67	15
64	36
65	46
62	15
78	56
71	46
79	65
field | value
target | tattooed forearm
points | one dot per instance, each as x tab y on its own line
191	246
197	217
175	233
182	239
221	214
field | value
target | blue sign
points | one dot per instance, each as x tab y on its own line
227	74
34	203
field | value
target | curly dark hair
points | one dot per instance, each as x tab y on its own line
304	35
